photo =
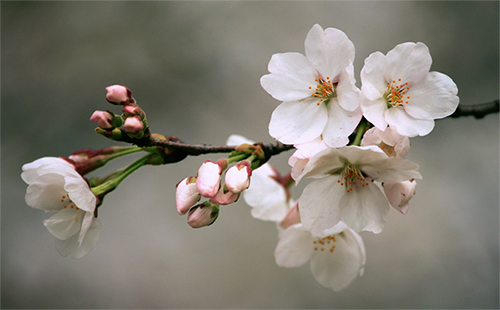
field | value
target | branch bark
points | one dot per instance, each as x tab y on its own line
477	110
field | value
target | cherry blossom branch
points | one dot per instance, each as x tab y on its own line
477	110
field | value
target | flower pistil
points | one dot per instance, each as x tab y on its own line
350	175
325	90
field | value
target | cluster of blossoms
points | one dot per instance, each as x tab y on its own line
351	142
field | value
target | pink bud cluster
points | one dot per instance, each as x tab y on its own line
208	184
133	118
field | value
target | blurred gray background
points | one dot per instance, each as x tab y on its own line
195	68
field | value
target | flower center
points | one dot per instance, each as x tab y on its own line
396	93
389	150
350	177
326	243
325	90
68	203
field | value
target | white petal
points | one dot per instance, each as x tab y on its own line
290	78
392	170
340	125
80	193
319	204
267	197
298	121
434	97
30	169
348	94
78	250
364	209
373	82
237	140
338	269
330	50
406	125
322	164
46	192
64	223
294	248
399	194
408	61
374	111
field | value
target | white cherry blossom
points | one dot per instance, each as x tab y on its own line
398	90
318	90
389	141
54	185
336	256
343	189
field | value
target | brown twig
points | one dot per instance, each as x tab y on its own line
477	110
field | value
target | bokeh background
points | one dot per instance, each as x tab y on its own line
195	67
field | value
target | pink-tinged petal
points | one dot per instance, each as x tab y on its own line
348	95
340	124
406	125
336	270
292	217
329	50
298	121
208	180
186	195
373	82
399	194
408	61
319	204
64	223
77	250
392	143
47	192
364	208
374	111
224	197
290	78
433	98
392	170
294	248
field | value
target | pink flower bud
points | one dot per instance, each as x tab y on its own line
208	181
186	195
203	215
224	197
119	94
133	125
238	177
399	194
104	119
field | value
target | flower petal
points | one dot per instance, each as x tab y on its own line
64	223
373	82
30	169
433	98
78	250
374	111
392	170
80	193
298	121
340	124
407	125
290	78
348	94
294	248
338	269
408	61
319	204
46	192
329	50
364	209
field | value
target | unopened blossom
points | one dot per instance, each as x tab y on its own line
389	141
343	189
237	177
208	179
336	257
224	197
119	94
318	90
267	196
398	90
400	193
203	215
186	195
104	119
54	185
133	125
